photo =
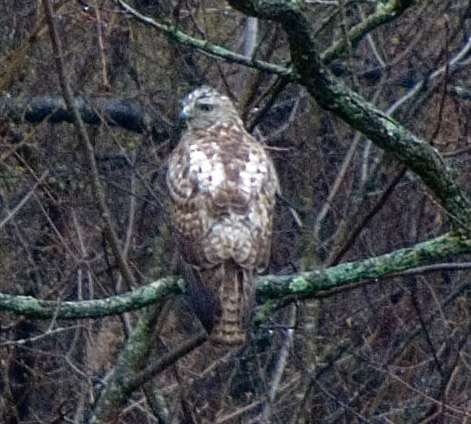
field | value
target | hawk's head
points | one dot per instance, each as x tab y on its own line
204	107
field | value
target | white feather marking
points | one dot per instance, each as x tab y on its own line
254	173
209	172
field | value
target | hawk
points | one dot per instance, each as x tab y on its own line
222	187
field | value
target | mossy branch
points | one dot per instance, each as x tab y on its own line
333	95
384	13
129	373
129	362
309	284
174	33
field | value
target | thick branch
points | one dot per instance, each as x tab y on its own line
333	95
270	287
133	300
93	111
129	373
131	359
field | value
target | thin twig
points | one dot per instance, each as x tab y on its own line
333	191
449	67
17	208
280	365
101	44
33	339
97	189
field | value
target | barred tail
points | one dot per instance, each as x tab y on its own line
236	296
222	298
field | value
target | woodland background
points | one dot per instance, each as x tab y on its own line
389	346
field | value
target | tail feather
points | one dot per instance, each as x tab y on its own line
236	296
223	299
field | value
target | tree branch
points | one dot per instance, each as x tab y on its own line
333	95
131	359
184	39
92	110
89	151
385	12
308	284
127	377
130	301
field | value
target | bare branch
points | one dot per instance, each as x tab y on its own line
385	12
17	208
98	192
93	111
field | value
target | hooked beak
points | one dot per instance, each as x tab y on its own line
185	113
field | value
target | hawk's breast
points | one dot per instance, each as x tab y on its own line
228	166
225	195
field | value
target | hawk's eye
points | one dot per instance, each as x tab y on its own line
205	107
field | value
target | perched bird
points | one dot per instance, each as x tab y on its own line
222	187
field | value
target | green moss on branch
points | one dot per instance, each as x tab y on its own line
309	284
